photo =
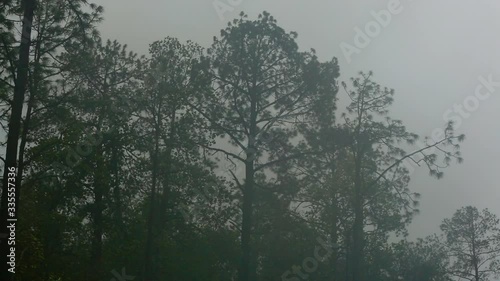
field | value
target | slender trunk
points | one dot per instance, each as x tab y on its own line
334	231
357	231
26	123
357	246
97	215
163	201
22	146
357	267
476	270
247	222
170	142
334	238
148	260
118	214
97	219
248	193
101	188
475	258
14	132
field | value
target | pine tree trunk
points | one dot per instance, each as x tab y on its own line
148	259
334	231
357	232
118	212
167	171
248	193
14	132
97	218
247	223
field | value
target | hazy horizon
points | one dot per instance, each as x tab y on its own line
416	54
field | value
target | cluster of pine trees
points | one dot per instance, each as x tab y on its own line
230	162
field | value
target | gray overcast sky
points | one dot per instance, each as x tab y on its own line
431	52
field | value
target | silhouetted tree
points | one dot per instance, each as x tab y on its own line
473	241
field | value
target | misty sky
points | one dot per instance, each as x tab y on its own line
431	52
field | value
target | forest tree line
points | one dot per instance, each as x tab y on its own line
230	162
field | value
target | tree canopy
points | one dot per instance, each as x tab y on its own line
233	161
